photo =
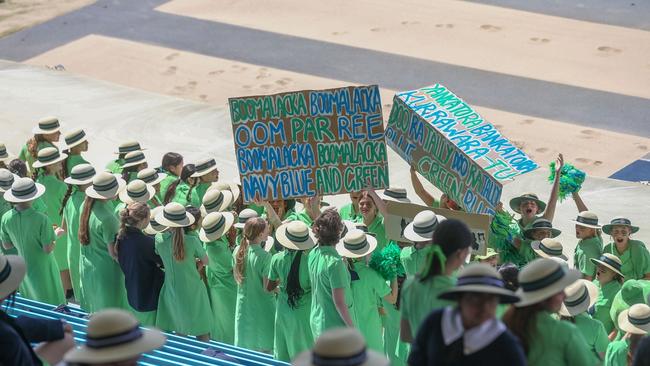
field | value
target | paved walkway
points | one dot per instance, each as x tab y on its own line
138	21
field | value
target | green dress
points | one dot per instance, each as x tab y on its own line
636	259
292	332
585	251
29	231
54	192
164	184
196	197
327	271
115	166
347	212
71	214
180	195
419	298
593	332
413	259
183	305
557	343
222	290
102	279
367	292
604	304
5	207
254	321
617	353
25	156
72	161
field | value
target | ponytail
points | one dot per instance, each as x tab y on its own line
188	197
32	144
178	243
252	229
449	237
68	193
186	174
131	215
83	234
294	291
64	164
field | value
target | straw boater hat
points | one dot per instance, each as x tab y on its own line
635	320
105	186
204	167
128	147
516	202
423	226
215	225
587	219
137	191
4	156
47	125
547	248
48	156
356	244
215	200
12	272
340	347
541	224
154	227
80	175
295	235
133	159
231	186
174	215
396	194
580	296
619	221
610	261
543	278
151	176
114	335
74	138
481	278
243	216
6	180
24	190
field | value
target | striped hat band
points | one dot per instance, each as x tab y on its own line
180	216
355	246
6	271
3	150
83	174
74	138
638	321
208	164
550	251
7	181
129	148
216	227
214	204
353	360
480	280
621	221
425	229
49	125
106	187
584	296
29	190
134	158
297	238
611	262
137	194
545	281
542	225
586	220
114	339
47	158
150	178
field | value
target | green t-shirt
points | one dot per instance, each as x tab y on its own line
367	293
180	195
617	353
25	156
327	271
72	161
635	259
585	251
593	332
5	207
197	194
557	343
604	302
419	298
164	184
115	166
414	259
347	212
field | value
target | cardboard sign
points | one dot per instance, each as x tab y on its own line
401	214
310	142
453	147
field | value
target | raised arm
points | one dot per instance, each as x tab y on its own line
552	200
579	202
425	196
381	205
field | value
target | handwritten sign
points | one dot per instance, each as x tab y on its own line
401	214
311	142
453	147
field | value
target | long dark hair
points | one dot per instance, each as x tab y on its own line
64	202
126	172
450	235
18	167
186	173
84	235
171	159
294	290
521	322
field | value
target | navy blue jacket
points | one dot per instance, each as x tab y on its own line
17	333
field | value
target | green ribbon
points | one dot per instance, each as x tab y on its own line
434	251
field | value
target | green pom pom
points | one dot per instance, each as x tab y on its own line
387	262
571	179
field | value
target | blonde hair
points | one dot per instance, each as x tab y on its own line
131	215
252	229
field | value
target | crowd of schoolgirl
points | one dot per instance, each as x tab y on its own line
176	247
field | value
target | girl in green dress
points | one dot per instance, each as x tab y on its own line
133	163
32	234
546	340
184	306
253	325
102	280
633	253
153	179
115	166
206	174
45	135
580	296
370	206
6	180
610	280
179	190
172	167
47	170
289	274
368	287
76	142
222	288
635	322
590	245
81	177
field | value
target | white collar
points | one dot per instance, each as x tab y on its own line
474	339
